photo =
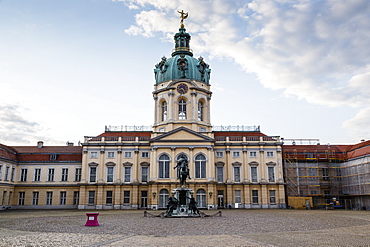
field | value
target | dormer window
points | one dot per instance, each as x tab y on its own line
53	156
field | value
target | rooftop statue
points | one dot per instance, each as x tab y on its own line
183	16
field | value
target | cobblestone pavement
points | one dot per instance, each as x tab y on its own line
234	228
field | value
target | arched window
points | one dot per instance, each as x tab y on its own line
164	111
200	111
201	198
164	166
182	109
163	198
200	166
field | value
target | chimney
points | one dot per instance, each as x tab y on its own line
70	144
40	144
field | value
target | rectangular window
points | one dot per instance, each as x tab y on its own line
91	198
127	154
53	156
237	174
21	198
253	154
7	173
12	175
64	175
110	155
76	197
63	197
255	196
270	154
236	154
23	177
110	173
271	174
254	174
78	171
220	174
144	174
1	172
51	173
49	198
37	175
219	154
127	174
35	198
325	174
93	155
145	155
92	174
272	196
238	196
126	197
109	197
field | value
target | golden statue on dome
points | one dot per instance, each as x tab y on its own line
183	16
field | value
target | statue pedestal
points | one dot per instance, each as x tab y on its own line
183	209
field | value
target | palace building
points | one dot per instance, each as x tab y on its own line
129	168
133	167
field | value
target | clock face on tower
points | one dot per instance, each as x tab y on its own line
182	88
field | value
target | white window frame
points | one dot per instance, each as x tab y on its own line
96	173
64	174
37	174
23	175
252	177
110	175
273	178
22	195
200	166
127	174
236	154
63	198
94	155
255	197
111	155
7	168
49	198
78	174
237	167
35	198
237	196
109	197
145	155
220	168
219	154
253	154
272	196
128	154
1	172
91	197
51	175
147	174
165	163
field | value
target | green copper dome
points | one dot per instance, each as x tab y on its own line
182	64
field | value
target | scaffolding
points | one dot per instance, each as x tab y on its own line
314	171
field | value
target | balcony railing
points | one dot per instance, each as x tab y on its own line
248	138
121	128
253	128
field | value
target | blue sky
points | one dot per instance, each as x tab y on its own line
299	69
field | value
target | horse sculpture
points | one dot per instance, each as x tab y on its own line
182	170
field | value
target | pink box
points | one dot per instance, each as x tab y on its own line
92	219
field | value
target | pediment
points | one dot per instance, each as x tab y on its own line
183	134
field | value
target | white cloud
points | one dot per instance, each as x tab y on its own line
313	50
15	129
359	125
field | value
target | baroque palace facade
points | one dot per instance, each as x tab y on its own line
230	167
133	168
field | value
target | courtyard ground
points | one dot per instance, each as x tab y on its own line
235	228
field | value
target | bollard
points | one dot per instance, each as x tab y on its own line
92	219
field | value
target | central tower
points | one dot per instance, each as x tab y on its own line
182	91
